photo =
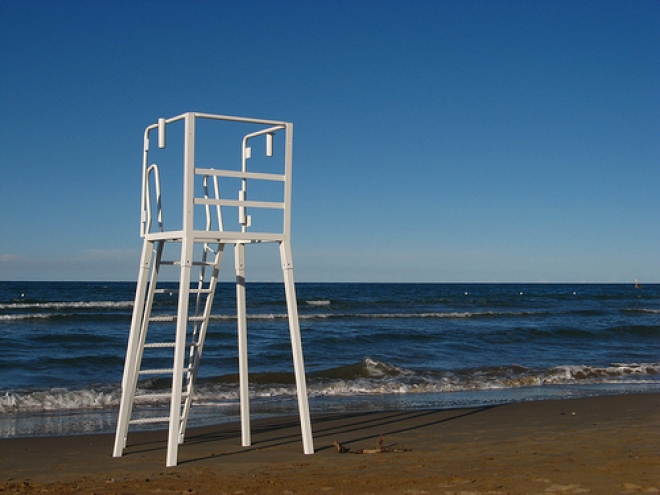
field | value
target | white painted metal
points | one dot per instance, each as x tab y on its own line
192	318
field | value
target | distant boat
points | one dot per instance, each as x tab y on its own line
637	286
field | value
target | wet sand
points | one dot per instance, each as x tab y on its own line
597	445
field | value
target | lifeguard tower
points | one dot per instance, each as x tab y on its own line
223	157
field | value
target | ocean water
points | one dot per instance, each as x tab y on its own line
366	347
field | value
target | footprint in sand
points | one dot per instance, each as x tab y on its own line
567	489
633	488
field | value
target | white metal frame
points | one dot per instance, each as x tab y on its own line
212	241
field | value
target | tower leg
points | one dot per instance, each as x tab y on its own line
296	347
137	335
244	388
179	351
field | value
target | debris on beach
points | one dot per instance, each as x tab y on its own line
380	449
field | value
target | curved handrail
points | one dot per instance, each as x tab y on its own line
146	227
207	205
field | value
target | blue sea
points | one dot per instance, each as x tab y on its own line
366	347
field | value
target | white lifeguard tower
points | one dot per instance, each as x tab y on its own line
216	212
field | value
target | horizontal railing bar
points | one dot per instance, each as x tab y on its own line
216	236
240	175
246	120
237	202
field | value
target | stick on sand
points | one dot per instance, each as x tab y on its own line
342	449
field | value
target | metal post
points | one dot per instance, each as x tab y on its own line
129	379
187	251
296	347
241	315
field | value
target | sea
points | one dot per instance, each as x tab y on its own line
367	346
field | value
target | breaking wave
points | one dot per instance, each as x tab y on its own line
67	305
368	377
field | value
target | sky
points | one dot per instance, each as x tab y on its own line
435	141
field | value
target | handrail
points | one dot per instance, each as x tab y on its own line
146	222
211	201
231	118
243	218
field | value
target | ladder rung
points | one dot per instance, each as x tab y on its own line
169	318
162	371
165	395
173	291
142	421
156	345
195	263
153	396
163	318
157	371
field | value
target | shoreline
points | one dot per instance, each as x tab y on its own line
604	444
103	421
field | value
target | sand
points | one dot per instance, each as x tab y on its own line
598	445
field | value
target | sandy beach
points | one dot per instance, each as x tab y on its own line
597	445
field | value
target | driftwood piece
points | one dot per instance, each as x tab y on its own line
342	449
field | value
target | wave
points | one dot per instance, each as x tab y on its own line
427	315
364	378
38	316
58	306
103	317
643	310
67	305
323	316
61	305
59	399
375	377
431	315
273	316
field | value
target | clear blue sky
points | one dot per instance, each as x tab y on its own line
434	141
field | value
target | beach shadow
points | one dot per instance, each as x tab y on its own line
278	432
392	423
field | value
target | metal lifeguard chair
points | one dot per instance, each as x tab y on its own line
210	221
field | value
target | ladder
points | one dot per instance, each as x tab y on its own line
196	250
